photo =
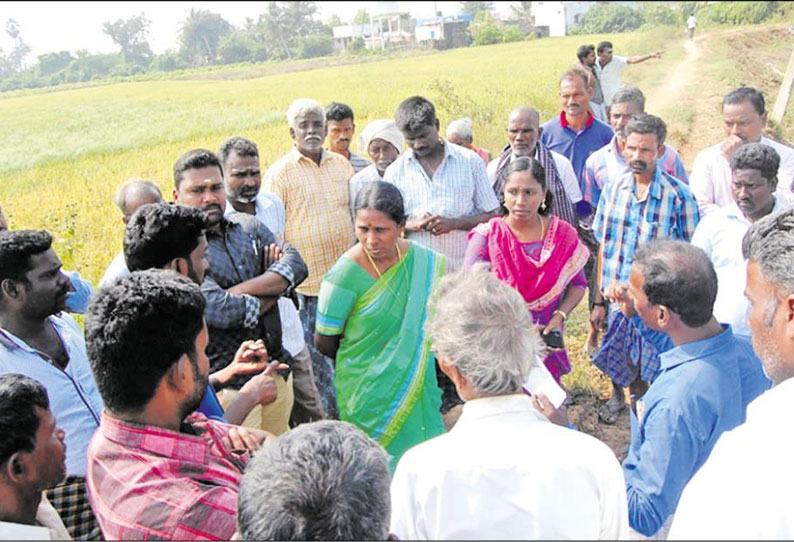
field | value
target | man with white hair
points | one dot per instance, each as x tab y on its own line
504	470
313	184
384	142
131	195
461	132
321	481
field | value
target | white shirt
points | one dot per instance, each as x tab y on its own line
720	236
505	472
564	168
116	270
611	76
711	177
691	22
367	175
269	209
743	491
459	187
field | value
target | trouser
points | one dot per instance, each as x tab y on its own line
308	405
323	365
70	500
273	417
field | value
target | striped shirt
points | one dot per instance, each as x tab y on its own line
459	187
270	211
147	482
608	163
358	162
623	222
316	201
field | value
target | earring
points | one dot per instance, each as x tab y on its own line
543	206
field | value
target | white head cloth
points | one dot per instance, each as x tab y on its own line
384	129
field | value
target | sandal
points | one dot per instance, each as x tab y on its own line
609	412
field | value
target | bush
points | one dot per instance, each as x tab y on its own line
357	45
512	33
315	45
609	18
167	62
483	29
235	47
659	14
737	13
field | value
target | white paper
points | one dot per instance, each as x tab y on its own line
541	381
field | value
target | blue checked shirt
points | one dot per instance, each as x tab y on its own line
622	222
234	256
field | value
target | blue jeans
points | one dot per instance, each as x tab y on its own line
323	366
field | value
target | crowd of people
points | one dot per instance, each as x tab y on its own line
372	346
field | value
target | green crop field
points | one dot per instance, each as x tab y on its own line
65	153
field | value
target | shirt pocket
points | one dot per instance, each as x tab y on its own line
455	197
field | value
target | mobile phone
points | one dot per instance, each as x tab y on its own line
553	339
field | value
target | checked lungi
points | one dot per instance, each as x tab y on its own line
70	500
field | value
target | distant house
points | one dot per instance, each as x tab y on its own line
443	32
345	34
559	17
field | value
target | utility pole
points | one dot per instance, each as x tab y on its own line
779	111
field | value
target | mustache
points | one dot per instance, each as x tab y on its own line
212	206
638	165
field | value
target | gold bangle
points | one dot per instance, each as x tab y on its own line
558	311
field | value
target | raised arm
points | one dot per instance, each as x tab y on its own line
642	58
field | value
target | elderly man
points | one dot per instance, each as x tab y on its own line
587	58
40	341
742	491
744	117
384	142
155	469
461	132
719	234
523	133
705	384
248	272
608	163
609	68
322	481
575	133
32	454
445	187
240	160
130	196
642	204
341	127
313	184
504	470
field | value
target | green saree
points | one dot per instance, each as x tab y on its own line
385	378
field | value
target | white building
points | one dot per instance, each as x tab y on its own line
559	16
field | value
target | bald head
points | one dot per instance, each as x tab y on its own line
135	193
523	130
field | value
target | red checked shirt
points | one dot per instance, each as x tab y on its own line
150	482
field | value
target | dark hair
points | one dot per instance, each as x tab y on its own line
159	232
338	111
770	243
603	46
138	327
679	276
414	113
325	480
526	163
195	159
383	197
643	123
746	94
757	156
238	145
19	421
576	71
584	51
16	248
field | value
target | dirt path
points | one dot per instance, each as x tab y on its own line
681	76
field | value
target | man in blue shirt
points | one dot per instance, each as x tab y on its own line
706	380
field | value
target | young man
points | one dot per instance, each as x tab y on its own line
154	469
39	340
609	68
32	454
248	271
341	127
706	381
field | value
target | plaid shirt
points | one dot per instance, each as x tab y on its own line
147	482
459	187
316	200
234	256
608	163
622	222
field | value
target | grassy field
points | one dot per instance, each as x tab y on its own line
65	153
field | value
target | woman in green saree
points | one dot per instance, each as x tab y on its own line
371	313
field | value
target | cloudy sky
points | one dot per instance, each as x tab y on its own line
57	26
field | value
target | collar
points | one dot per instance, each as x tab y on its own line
158	440
654	189
614	149
499	405
12	342
535	153
588	124
733	211
448	151
697	350
297	157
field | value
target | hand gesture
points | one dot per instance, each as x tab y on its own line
262	388
619	293
251	357
439	225
558	416
730	145
246	439
271	255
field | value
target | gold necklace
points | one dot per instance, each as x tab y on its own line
380	276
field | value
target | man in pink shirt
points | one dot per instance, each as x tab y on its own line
155	470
